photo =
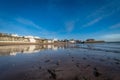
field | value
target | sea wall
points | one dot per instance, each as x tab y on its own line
13	39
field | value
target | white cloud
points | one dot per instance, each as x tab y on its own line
103	12
115	26
111	37
42	31
92	22
108	9
21	26
69	25
27	22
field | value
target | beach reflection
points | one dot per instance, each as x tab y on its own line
26	49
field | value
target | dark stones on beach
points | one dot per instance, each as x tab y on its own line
84	78
47	61
84	58
116	59
72	60
40	67
77	64
88	65
96	73
102	60
76	78
117	62
52	73
58	63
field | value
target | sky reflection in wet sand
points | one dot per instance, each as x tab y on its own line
58	63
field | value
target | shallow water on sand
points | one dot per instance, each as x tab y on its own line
63	62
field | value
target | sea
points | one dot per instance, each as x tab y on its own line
107	46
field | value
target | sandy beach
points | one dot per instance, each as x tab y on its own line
59	39
28	43
65	62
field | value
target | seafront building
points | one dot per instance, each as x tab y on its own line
93	41
14	38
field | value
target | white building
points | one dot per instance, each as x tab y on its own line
55	39
31	39
50	41
36	37
14	35
72	41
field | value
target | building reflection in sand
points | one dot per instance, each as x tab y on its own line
26	49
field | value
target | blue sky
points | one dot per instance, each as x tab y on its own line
62	19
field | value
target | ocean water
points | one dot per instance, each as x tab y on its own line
108	46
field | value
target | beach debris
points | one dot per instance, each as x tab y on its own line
76	78
116	59
109	79
52	73
58	62
96	73
84	78
77	64
58	70
102	60
72	60
84	58
47	61
117	62
93	58
88	65
40	67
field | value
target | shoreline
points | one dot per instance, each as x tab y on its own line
29	43
25	43
86	64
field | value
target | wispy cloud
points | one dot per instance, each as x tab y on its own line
92	22
69	25
27	22
115	26
10	26
111	37
103	12
40	29
22	26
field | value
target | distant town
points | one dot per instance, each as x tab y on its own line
16	39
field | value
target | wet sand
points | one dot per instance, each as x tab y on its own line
71	63
29	43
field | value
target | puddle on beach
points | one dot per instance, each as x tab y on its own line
53	62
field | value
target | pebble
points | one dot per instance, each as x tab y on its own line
52	73
96	73
47	61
